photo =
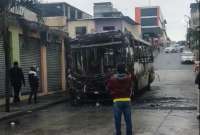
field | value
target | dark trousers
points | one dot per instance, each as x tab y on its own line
16	98
124	108
33	93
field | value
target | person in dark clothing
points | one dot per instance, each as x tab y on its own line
34	84
17	79
197	81
120	87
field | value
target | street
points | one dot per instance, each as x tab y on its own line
169	108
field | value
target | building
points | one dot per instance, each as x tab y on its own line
34	44
98	25
107	19
153	24
57	15
105	9
81	27
193	32
195	8
124	24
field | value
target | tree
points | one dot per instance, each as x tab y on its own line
5	8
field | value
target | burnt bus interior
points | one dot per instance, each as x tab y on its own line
94	55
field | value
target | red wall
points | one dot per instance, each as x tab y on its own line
138	15
158	15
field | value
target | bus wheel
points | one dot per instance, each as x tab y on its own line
135	88
149	84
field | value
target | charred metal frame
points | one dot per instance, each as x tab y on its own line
93	54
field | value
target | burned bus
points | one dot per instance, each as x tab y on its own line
95	56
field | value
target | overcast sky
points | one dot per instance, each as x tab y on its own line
173	11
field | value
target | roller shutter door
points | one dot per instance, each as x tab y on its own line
54	67
29	56
2	68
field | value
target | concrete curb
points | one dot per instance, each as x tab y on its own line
23	112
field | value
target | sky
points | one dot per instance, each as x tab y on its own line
174	11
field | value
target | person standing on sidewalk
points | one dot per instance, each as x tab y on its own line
120	87
17	79
34	84
197	81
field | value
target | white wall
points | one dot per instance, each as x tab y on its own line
134	29
26	13
89	24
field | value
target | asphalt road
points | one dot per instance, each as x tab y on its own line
168	109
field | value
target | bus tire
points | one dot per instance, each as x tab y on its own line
135	89
149	84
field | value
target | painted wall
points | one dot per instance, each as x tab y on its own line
14	41
58	21
108	22
119	25
138	15
89	24
26	13
134	29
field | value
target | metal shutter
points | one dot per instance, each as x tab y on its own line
2	68
29	56
54	67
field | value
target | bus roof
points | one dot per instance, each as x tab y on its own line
106	39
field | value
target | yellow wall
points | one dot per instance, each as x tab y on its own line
89	24
43	69
14	43
134	29
58	21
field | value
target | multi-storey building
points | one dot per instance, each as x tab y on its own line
106	18
195	8
106	9
29	46
194	29
57	15
152	23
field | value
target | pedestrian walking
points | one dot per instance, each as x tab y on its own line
120	87
17	79
197	81
34	84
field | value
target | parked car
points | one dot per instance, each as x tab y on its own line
187	57
170	49
181	48
178	48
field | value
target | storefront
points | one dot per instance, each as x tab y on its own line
54	67
29	56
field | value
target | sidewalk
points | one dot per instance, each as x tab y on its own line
24	107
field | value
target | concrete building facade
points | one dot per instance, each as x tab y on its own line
106	18
105	9
30	47
81	27
193	32
57	15
152	23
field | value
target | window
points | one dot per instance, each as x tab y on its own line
81	30
108	28
47	11
72	13
149	21
80	15
149	12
